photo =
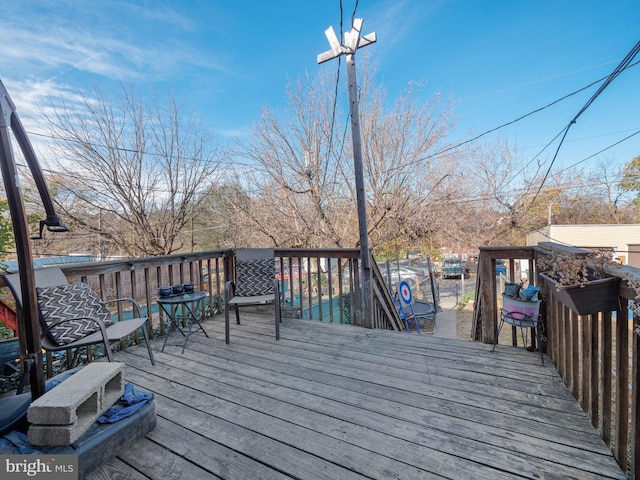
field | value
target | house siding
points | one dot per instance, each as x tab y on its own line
614	236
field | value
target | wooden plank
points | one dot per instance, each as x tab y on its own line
365	403
210	455
370	429
334	433
622	386
158	463
587	348
519	408
488	369
431	396
574	338
594	369
488	301
607	374
115	469
278	443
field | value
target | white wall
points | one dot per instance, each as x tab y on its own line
617	237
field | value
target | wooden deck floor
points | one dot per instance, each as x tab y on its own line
338	402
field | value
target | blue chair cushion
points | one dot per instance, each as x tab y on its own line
13	411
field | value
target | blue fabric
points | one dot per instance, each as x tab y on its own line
129	403
15	443
61	377
13	409
530	293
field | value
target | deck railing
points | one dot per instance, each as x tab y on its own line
324	284
595	354
317	284
140	278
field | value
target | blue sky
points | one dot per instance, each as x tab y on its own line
499	59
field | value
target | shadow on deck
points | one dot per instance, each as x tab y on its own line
340	402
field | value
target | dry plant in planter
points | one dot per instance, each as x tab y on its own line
578	280
568	269
634	285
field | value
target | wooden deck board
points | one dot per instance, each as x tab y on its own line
331	401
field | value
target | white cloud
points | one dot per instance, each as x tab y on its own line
110	40
54	49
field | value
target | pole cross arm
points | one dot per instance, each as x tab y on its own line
353	41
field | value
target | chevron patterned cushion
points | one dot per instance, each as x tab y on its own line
255	277
68	302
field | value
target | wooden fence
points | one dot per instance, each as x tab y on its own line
595	354
317	284
324	284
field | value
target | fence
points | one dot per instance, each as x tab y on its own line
317	284
596	354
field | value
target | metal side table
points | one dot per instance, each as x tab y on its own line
188	304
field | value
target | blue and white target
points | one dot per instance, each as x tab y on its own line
405	292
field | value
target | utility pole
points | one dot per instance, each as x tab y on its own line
353	41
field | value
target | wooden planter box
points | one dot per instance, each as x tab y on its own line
594	296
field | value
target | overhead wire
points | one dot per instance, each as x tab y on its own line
459	200
511	122
435	154
598	153
335	93
624	64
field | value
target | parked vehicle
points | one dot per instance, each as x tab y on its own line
454	268
501	267
411	275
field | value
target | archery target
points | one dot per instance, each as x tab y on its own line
405	292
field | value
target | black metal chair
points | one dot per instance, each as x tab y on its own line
72	316
255	283
522	320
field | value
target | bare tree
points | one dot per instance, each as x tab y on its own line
409	165
504	186
300	178
131	171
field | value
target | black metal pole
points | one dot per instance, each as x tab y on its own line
52	221
23	248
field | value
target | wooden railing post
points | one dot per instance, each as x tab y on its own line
622	387
489	310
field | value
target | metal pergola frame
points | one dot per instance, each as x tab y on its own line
29	318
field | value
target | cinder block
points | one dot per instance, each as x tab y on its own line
64	413
57	435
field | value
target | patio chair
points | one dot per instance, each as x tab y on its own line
72	316
255	283
526	316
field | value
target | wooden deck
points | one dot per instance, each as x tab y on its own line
340	402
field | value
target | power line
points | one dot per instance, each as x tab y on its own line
335	93
598	153
515	192
617	71
353	15
610	78
93	144
511	122
440	152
